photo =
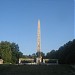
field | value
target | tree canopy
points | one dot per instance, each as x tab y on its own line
9	52
65	54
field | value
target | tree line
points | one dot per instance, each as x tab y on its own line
9	52
65	54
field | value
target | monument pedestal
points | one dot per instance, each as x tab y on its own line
39	60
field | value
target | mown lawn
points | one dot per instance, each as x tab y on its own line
36	70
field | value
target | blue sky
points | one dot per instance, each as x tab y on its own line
19	19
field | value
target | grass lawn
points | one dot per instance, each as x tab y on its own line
36	70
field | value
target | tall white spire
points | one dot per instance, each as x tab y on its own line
38	38
39	57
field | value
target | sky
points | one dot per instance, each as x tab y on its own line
19	20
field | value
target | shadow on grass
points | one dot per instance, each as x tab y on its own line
36	70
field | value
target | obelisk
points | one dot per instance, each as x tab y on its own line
38	43
38	38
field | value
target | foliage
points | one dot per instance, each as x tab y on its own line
9	52
51	55
5	51
65	53
34	55
41	53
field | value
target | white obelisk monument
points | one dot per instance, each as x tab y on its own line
39	58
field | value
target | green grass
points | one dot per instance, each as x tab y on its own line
36	70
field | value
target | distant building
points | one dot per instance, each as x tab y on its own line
1	61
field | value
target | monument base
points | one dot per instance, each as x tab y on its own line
39	60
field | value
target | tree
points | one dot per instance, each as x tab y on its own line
51	54
65	54
16	54
5	51
41	53
9	52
